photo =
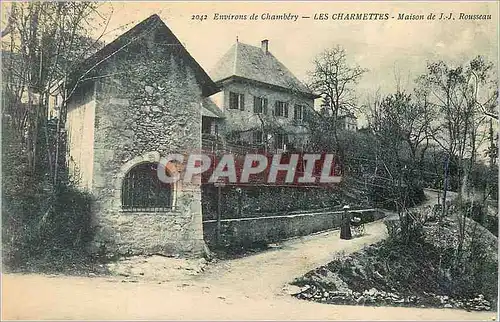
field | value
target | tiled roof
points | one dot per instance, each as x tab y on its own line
210	109
153	23
253	63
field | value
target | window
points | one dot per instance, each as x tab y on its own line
143	191
206	125
259	105
280	141
258	137
236	101
280	109
299	113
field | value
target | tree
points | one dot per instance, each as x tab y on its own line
334	79
483	86
457	93
402	121
42	213
45	41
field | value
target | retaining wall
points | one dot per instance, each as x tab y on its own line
247	231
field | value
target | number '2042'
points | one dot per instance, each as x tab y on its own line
199	17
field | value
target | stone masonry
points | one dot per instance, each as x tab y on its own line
147	102
243	121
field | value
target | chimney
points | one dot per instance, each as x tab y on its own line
264	45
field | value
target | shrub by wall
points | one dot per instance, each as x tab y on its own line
252	201
43	226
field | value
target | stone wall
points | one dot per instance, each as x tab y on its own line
247	232
148	106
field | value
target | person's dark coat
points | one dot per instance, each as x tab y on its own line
345	228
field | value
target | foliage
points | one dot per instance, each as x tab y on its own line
45	218
408	229
479	270
43	43
434	134
478	212
461	95
40	223
402	121
422	267
266	200
465	274
334	79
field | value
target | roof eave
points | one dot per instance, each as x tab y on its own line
210	89
282	88
208	86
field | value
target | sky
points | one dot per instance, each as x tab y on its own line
389	49
385	48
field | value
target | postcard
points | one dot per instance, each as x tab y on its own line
256	160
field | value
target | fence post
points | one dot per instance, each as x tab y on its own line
219	213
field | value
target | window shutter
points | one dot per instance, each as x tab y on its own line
295	112
255	104
264	108
242	102
257	137
233	100
275	108
285	106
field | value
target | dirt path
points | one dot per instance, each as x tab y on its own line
249	288
273	269
266	274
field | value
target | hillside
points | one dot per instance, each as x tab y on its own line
423	273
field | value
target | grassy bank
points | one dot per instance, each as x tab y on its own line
424	270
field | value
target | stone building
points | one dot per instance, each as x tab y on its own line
139	98
264	104
212	119
348	122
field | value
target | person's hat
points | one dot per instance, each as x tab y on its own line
346	207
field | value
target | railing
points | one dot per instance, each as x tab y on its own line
294	214
213	146
245	232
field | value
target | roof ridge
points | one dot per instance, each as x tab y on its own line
245	44
251	62
133	35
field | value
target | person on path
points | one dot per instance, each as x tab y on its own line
345	228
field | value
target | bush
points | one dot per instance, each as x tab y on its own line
479	213
464	275
408	230
42	224
266	200
387	195
56	229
